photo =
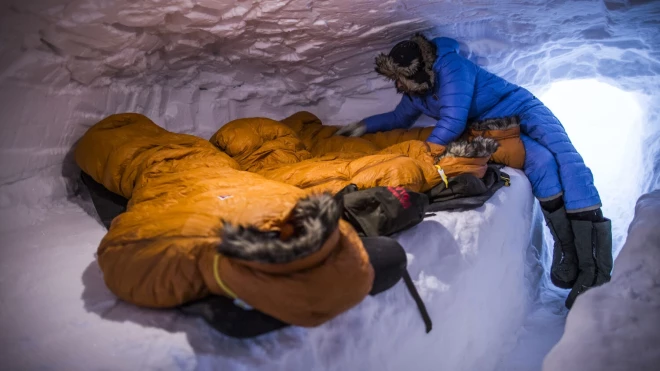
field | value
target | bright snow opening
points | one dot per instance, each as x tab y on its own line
605	125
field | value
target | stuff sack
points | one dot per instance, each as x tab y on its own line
382	211
466	191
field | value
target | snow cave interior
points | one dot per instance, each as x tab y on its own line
194	65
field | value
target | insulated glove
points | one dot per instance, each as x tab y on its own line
356	129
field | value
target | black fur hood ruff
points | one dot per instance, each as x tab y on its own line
406	75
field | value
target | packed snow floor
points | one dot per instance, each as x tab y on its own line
479	272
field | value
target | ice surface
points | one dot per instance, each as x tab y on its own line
477	271
617	326
193	65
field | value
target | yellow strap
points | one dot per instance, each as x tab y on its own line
217	277
442	175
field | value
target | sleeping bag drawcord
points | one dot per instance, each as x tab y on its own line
216	274
238	302
418	300
441	171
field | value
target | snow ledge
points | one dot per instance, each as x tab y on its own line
615	326
478	272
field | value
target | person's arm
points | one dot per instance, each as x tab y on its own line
404	116
457	78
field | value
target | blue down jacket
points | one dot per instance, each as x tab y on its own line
464	91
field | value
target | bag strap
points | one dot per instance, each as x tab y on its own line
418	300
410	285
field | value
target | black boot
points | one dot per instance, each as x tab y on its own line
564	270
593	240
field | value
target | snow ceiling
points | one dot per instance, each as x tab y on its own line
300	52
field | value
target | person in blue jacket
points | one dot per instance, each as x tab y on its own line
437	81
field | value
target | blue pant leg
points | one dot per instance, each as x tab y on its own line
541	168
577	180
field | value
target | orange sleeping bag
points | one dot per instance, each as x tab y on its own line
197	225
301	151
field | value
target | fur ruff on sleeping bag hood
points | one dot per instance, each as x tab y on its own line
506	131
197	225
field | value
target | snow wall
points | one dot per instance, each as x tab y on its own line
615	326
193	65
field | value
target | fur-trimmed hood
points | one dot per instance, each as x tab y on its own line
313	220
500	123
386	66
477	147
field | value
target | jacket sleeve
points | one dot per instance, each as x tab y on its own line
457	78
404	116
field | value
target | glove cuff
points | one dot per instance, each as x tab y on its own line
360	129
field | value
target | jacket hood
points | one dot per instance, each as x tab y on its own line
497	123
386	66
445	45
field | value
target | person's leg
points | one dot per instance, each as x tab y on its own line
580	193
592	232
542	170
